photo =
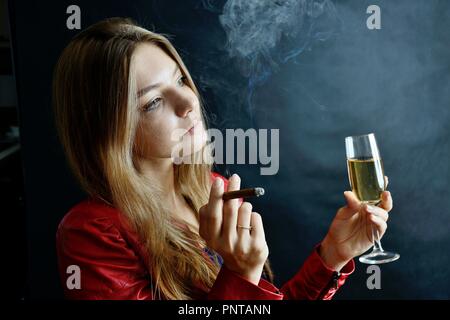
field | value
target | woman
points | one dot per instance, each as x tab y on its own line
152	229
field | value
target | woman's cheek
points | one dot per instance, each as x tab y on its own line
163	142
153	141
163	139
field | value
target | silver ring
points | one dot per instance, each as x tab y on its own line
244	227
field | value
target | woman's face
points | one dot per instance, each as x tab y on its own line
169	110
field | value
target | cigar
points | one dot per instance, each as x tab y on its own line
244	193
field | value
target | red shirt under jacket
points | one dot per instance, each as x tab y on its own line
94	237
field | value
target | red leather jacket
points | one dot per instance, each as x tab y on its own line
94	237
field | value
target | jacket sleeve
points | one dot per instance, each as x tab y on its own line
230	286
109	268
314	281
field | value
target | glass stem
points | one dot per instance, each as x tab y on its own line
376	240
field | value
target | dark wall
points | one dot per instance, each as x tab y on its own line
309	68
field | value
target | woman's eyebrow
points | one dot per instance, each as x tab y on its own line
152	86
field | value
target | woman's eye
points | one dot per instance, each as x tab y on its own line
182	81
157	101
152	104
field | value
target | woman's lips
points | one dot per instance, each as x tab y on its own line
191	130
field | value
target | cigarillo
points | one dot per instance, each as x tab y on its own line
244	193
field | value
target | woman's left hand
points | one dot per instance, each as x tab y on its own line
350	233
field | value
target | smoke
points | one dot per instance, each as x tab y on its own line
263	34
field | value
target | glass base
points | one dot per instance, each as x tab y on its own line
379	257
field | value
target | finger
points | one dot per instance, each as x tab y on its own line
257	232
379	224
352	207
386	181
386	201
379	212
244	219
203	224
211	216
353	202
230	207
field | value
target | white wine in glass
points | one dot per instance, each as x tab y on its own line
366	179
366	176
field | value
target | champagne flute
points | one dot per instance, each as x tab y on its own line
366	176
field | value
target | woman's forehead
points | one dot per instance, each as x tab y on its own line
152	65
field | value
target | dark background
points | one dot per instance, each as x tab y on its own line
309	68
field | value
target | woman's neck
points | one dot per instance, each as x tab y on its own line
162	172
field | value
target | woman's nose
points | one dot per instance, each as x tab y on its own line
183	105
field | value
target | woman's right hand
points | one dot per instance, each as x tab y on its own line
243	251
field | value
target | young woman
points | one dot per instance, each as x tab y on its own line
152	229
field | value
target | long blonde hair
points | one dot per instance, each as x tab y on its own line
96	114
